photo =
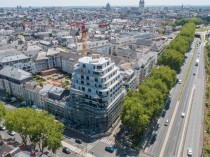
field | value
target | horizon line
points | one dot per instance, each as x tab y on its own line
104	6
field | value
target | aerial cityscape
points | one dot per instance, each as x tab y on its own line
104	78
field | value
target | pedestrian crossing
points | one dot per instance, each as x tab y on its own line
111	143
107	141
84	151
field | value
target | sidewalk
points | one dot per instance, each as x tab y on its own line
75	149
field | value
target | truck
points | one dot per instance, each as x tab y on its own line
196	62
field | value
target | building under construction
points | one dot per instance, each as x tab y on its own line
96	94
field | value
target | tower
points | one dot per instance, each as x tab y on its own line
141	6
108	7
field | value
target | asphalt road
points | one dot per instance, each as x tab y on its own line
169	137
194	132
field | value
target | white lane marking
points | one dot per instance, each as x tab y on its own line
185	123
169	130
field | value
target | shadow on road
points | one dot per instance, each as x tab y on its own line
123	144
68	133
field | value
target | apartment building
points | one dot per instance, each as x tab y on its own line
12	80
96	93
19	61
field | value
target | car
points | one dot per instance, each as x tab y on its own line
194	73
2	127
1	142
11	133
78	141
180	81
189	151
166	122
183	115
164	113
109	149
66	150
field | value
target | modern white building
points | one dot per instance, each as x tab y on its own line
96	93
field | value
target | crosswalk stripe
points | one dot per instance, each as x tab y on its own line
107	141
86	149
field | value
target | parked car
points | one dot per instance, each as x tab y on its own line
2	127
109	149
78	141
1	142
164	113
66	150
11	133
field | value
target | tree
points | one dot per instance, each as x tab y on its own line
171	58
166	74
133	115
37	127
47	133
18	120
2	110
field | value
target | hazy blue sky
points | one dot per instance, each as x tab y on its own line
13	3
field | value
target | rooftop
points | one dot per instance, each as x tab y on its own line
95	59
15	73
13	58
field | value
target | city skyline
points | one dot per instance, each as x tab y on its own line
14	3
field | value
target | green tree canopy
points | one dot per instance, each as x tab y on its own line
195	20
171	58
35	126
166	74
2	110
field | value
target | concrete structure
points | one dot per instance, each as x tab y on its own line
96	93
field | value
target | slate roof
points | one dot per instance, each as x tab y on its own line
15	73
13	58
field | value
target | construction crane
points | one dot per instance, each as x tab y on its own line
84	36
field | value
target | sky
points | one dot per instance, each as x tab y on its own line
26	3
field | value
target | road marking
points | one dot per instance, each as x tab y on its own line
180	150
169	130
75	149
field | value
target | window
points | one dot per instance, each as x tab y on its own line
87	77
99	67
88	84
84	65
89	90
96	79
83	88
82	82
82	77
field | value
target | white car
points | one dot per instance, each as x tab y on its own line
12	133
180	81
189	151
183	115
166	122
2	127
